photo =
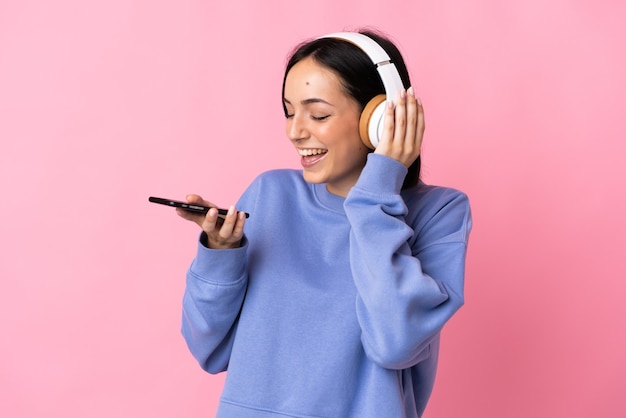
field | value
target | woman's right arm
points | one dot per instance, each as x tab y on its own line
214	292
215	287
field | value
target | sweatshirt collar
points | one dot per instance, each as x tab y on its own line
327	199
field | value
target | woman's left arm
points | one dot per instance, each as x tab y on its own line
409	276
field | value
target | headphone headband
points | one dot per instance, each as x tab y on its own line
374	51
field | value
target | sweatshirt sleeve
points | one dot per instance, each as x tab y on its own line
408	266
215	289
214	292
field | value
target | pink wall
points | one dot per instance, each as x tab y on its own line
103	103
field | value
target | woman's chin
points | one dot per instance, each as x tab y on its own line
313	178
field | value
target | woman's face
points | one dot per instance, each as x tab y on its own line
323	125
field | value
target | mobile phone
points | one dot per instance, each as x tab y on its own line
188	206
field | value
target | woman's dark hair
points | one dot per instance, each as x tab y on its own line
356	72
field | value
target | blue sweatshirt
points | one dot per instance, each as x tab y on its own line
331	307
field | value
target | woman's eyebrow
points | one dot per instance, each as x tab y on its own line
309	101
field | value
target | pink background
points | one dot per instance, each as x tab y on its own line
103	103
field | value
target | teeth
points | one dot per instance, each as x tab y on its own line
307	152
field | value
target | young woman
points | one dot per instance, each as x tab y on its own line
329	300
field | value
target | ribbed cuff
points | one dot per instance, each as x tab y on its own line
222	266
382	174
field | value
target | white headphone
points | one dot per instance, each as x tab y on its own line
372	117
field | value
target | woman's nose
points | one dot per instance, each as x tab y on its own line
296	129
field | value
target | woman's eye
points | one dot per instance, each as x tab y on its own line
319	118
288	116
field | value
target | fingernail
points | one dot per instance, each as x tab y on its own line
419	101
231	210
410	91
403	93
390	104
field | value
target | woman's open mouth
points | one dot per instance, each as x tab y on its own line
311	156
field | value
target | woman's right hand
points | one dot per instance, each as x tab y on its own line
222	231
403	129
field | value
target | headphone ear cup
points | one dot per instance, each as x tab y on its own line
368	123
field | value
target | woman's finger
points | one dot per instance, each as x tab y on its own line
238	229
388	126
226	230
210	223
410	139
421	123
198	200
400	119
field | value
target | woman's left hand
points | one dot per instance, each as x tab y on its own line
403	129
